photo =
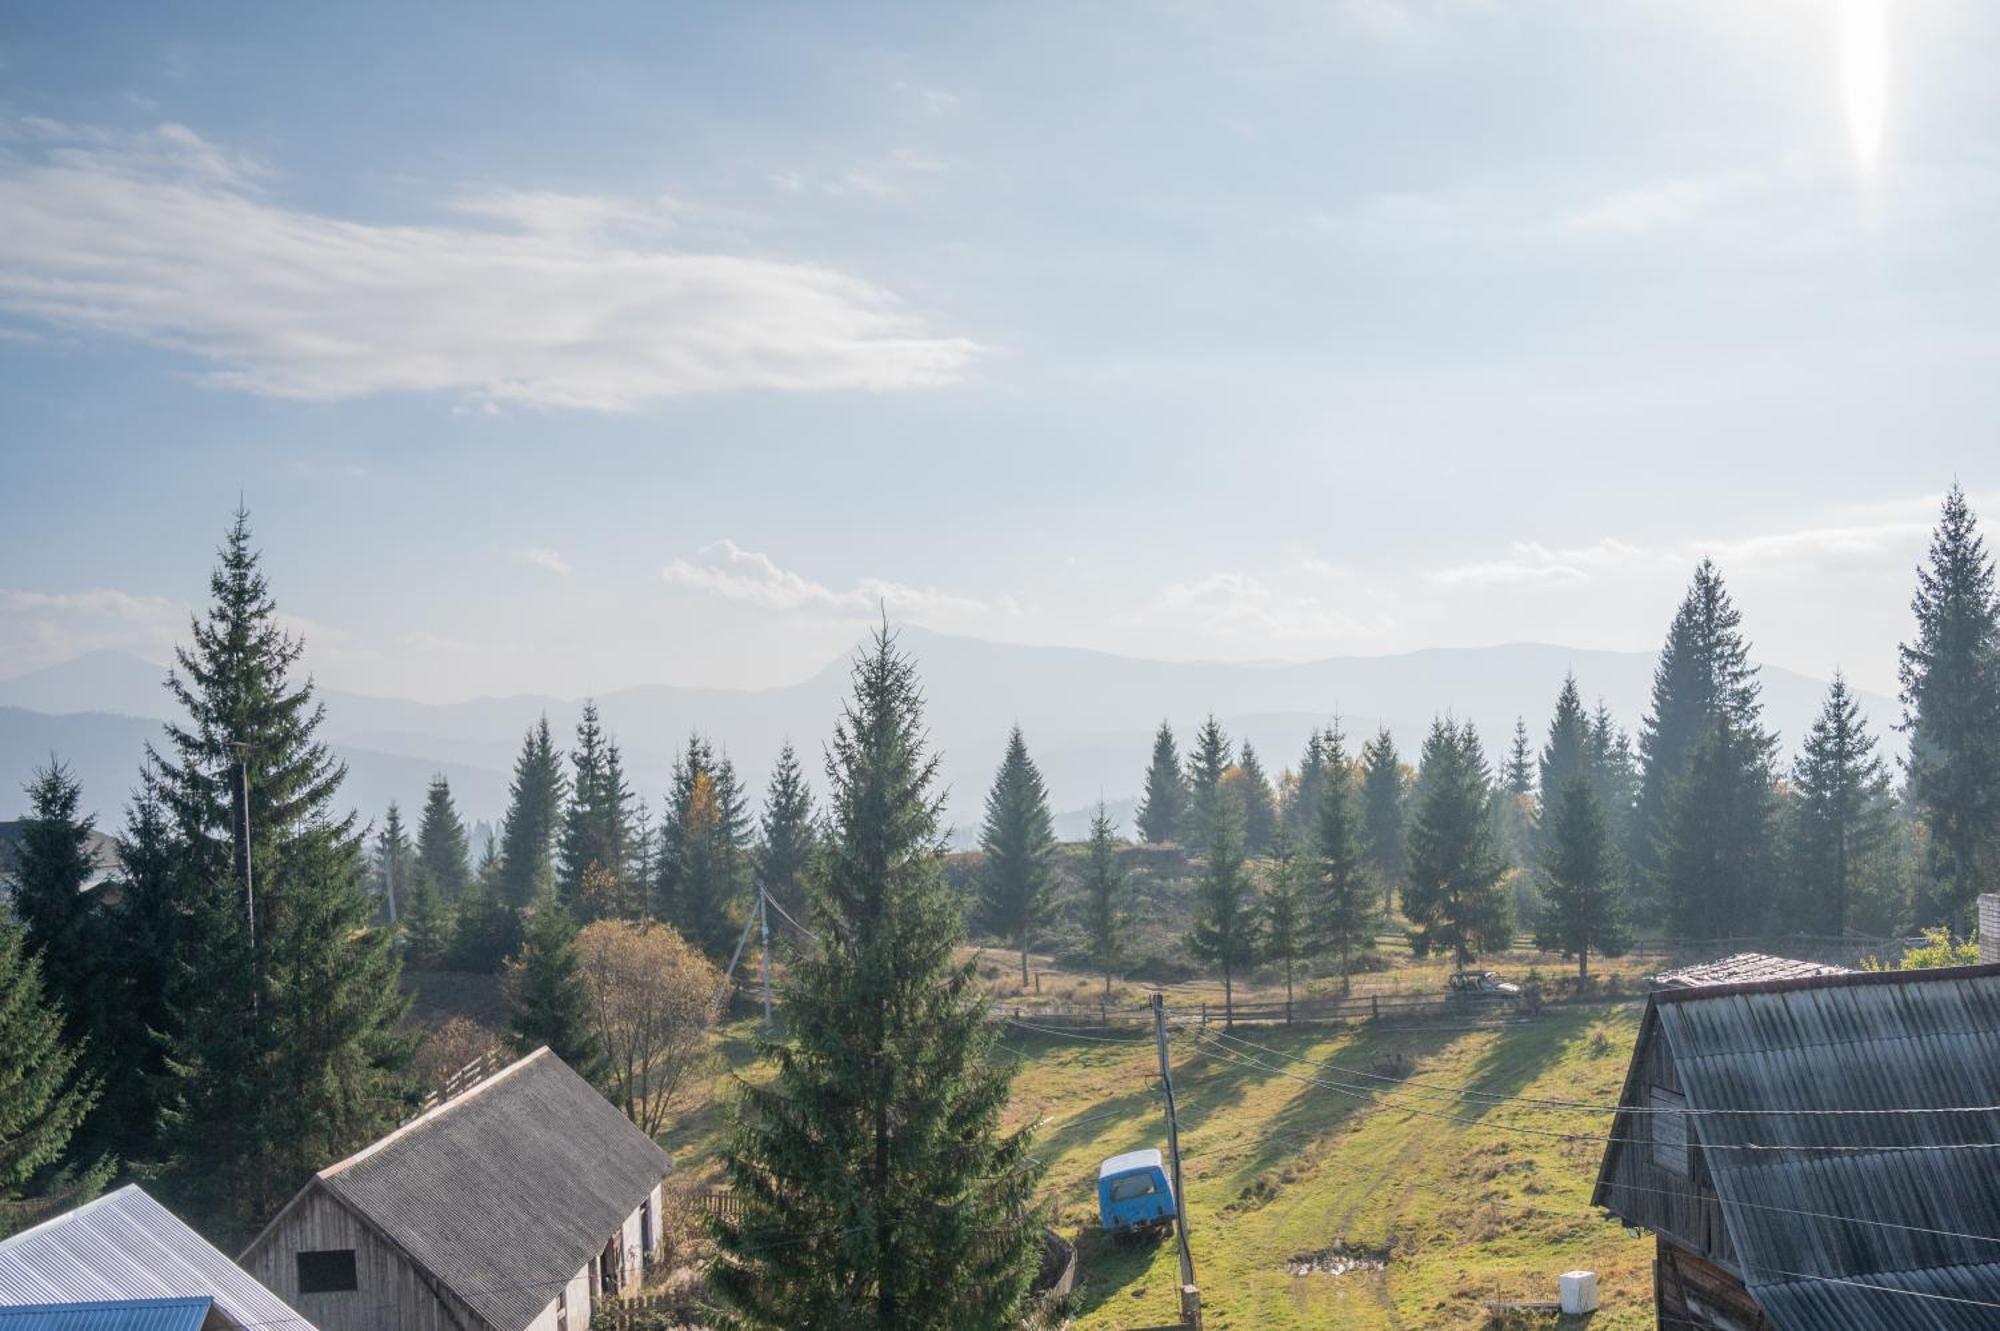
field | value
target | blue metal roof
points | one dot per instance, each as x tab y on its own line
108	1315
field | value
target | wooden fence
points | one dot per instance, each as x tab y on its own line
1358	1007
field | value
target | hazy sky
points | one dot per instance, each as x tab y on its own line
565	347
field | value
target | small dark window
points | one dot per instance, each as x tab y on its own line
327	1272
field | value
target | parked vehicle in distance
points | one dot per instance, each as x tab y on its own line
1134	1199
1481	984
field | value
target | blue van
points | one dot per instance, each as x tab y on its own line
1133	1195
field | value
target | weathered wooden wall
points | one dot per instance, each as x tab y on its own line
391	1292
1692	1294
1638	1189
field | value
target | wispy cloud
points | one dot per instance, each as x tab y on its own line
558	301
1235	612
543	557
726	570
42	628
1530	563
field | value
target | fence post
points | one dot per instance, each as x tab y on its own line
1374	1006
1204	1013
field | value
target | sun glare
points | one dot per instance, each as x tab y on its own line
1864	75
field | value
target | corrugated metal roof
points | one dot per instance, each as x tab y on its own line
1918	1211
125	1245
108	1315
506	1192
1742	968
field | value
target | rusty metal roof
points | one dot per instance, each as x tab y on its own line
1881	1221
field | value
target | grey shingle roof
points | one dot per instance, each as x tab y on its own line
1743	968
125	1245
1908	1040
507	1191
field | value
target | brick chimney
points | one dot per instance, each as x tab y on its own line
1989	926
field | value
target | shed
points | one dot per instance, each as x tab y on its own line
127	1249
512	1206
1815	1152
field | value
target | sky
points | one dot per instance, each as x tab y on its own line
567	348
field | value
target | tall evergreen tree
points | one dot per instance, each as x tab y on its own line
1716	863
1206	765
1341	912
441	844
1704	671
1163	809
1566	753
1520	773
534	809
1300	812
44	1097
52	868
1103	897
1842	819
427	921
1287	933
597	825
1613	778
144	938
870	1169
1582	905
1382	828
1950	678
789	832
393	857
704	865
1454	897
1225	931
1017	838
487	930
547	1003
283	1046
1260	806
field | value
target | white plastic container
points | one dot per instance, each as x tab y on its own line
1579	1291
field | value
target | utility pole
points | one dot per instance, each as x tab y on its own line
242	831
1190	1292
764	930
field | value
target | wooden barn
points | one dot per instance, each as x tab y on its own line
1816	1152
511	1207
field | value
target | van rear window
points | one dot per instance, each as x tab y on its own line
1135	1185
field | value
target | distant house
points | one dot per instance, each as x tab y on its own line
126	1263
1743	968
1777	1209
511	1207
105	863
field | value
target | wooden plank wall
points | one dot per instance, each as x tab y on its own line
1681	1205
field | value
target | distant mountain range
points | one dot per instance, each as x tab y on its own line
1089	717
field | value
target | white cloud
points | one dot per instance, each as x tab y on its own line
1231	612
42	628
561	301
728	571
543	557
1530	563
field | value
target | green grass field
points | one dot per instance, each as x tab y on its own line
1457	1212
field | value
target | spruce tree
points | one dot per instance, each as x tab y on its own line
1206	764
1341	912
1225	931
875	1187
283	1051
789	831
441	844
1582	905
393	856
44	1097
1453	896
1950	677
1716	864
1566	753
52	867
1613	778
534	808
143	933
1017	839
486	930
546	999
1287	934
427	921
1382	829
597	825
1300	811
1842	819
1520	774
1103	897
1704	671
1260	807
1163	809
704	867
